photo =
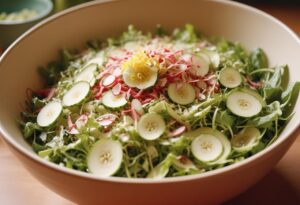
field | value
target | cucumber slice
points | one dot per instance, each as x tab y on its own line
114	101
223	139
246	139
88	74
244	102
49	114
206	148
76	94
200	65
105	157
184	95
230	78
151	126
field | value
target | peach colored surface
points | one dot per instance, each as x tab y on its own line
281	186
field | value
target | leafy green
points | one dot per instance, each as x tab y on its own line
30	129
258	60
273	111
275	79
188	34
52	72
160	31
272	94
289	98
163	157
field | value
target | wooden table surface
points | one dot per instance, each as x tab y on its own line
280	186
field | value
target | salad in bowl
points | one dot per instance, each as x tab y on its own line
157	105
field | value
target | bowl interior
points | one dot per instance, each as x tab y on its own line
18	66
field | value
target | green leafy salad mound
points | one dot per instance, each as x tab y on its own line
157	105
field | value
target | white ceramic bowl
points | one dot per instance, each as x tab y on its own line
234	21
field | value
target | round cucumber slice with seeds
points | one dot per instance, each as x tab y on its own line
244	103
223	139
246	139
230	77
76	94
206	148
114	101
151	126
105	157
88	74
183	95
49	114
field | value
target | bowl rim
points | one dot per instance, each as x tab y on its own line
40	15
122	180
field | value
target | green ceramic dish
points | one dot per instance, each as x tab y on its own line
10	30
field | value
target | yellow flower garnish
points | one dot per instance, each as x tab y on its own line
140	71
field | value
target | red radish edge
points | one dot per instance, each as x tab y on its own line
116	90
108	80
178	131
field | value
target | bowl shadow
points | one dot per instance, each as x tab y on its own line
274	189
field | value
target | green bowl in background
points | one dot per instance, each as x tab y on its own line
11	30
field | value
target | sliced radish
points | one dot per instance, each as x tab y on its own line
117	72
49	114
105	157
116	90
108	80
177	131
76	94
106	119
137	105
200	66
51	94
73	131
81	121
